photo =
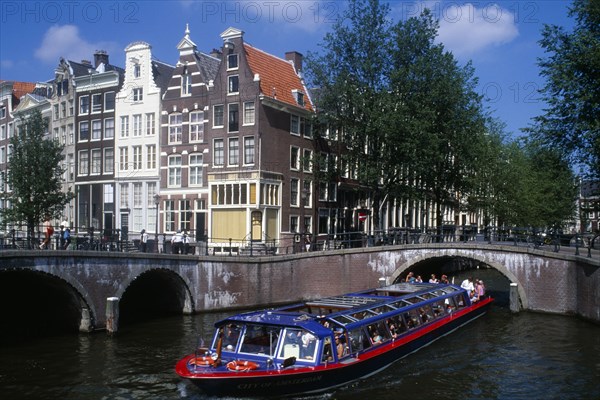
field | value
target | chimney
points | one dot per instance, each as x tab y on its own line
100	56
295	58
86	62
216	53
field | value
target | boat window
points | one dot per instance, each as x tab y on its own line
449	289
231	335
414	300
359	340
327	351
412	319
260	339
383	309
298	343
425	313
427	296
378	333
343	319
450	304
363	314
460	301
438	308
396	325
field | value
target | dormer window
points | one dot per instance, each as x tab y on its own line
232	61
137	70
299	96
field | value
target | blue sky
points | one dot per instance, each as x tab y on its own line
500	37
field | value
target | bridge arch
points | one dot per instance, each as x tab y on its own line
154	292
407	265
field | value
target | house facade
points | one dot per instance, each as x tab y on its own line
184	151
95	145
137	113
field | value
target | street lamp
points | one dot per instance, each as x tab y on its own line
157	204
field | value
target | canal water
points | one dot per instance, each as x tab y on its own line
499	356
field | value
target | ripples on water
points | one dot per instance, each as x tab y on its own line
499	356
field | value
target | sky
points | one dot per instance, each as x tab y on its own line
499	37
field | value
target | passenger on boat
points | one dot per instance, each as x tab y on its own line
433	279
473	296
376	338
410	278
480	288
339	346
230	338
423	315
467	284
419	279
445	280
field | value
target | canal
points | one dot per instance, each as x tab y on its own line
499	356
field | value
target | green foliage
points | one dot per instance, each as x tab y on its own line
35	176
572	120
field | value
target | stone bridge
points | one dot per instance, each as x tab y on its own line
75	285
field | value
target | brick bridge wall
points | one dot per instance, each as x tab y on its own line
547	282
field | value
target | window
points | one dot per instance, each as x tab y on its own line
84	105
324	162
294	158
2	155
150	125
97	102
307	160
170	215
196	126
306	193
109	160
63	109
234	84
151	156
185	214
125	126
218	156
137	157
232	61
55	115
84	131
195	170
218	116
323	191
175	121
96	161
123	159
71	107
2	112
295	125
137	125
234	151
249	113
124	195
234	119
109	128
84	162
71	133
175	171
294	223
308	224
137	70
2	132
138	94
294	191
249	150
109	101
186	83
96	130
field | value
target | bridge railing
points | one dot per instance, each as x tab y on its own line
89	239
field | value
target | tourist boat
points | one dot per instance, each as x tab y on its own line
318	345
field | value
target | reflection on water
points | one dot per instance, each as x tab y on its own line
499	356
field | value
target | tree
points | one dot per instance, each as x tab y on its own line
572	118
34	176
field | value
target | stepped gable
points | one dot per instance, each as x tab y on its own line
278	77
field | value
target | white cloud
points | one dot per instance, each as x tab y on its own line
64	41
466	29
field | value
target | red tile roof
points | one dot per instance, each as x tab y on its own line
22	88
278	77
